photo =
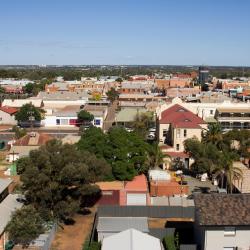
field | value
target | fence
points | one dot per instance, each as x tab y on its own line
147	211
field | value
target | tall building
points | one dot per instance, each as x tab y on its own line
203	75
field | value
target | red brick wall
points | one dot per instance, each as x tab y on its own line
162	189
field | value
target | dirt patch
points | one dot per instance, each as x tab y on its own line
72	237
157	223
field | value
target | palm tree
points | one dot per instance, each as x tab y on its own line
228	171
155	157
214	135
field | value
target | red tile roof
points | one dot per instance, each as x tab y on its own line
177	154
139	183
9	110
180	117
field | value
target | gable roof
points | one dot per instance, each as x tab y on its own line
139	183
7	207
131	239
180	117
222	209
9	110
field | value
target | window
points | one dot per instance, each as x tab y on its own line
178	133
177	147
165	132
229	231
185	133
211	112
97	122
57	121
64	121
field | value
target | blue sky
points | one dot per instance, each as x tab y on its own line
177	32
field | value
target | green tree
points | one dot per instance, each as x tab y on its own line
126	152
19	132
214	135
206	156
22	163
142	123
84	117
119	79
25	226
156	157
29	88
57	179
228	171
26	111
112	95
2	90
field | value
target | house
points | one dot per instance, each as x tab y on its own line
24	145
123	193
7	207
222	221
67	116
7	115
175	125
131	239
107	226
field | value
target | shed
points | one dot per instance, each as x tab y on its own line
108	226
159	175
131	239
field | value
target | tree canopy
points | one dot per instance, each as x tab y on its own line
112	95
84	117
25	226
126	152
26	111
57	179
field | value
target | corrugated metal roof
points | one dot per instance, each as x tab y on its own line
146	211
4	183
118	224
7	207
129	114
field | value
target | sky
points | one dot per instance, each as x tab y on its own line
126	32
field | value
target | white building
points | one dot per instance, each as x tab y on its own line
131	239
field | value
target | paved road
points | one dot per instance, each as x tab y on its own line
110	117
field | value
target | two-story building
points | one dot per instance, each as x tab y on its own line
233	118
175	125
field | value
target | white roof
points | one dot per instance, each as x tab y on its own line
17	103
7	207
159	175
131	239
